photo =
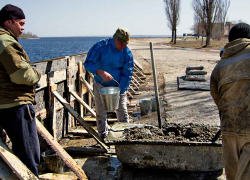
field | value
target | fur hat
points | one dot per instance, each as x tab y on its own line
240	30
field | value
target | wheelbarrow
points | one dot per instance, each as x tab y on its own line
161	154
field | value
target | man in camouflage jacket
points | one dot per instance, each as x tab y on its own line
17	81
230	89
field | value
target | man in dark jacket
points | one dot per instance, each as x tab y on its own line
17	81
230	89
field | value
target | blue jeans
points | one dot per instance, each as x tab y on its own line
20	124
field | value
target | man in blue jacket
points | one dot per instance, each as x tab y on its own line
111	59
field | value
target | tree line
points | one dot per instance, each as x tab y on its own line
27	35
207	15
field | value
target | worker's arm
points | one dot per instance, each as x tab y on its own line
91	63
214	86
127	72
17	67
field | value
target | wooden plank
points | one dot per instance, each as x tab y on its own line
80	120
132	89
59	76
6	172
83	103
53	176
148	73
140	72
130	95
136	63
68	160
85	150
133	83
89	88
90	75
139	79
90	80
92	119
15	163
80	74
133	78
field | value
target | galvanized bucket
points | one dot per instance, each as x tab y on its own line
110	97
53	161
145	106
154	105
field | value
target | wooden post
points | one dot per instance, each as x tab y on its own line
70	64
52	87
80	74
156	85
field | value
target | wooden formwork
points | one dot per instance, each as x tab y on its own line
64	100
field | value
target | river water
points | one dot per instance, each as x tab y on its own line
53	47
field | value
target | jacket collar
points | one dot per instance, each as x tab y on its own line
4	30
235	46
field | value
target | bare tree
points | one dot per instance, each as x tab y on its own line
199	19
210	9
224	6
172	10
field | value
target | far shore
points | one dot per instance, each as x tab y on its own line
185	42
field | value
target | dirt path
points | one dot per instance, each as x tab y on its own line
185	106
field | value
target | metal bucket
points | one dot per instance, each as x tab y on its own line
53	161
154	105
145	106
110	97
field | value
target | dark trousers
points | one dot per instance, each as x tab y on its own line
20	125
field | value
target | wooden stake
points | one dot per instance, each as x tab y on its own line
52	108
89	88
156	85
83	103
80	74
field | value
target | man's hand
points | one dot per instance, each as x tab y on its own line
105	75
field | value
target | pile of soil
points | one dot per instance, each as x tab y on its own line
173	132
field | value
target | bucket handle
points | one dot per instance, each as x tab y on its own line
111	80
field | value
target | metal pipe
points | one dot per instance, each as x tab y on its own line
156	85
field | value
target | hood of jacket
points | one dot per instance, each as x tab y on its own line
6	31
234	47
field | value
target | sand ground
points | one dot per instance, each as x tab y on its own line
184	106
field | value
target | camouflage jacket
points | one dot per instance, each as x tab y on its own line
17	78
230	87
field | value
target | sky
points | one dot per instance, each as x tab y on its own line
58	18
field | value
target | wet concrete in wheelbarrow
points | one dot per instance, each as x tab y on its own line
173	132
